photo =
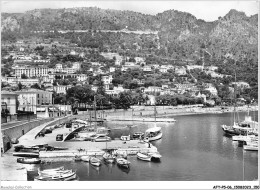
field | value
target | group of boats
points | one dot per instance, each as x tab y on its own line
55	174
245	132
30	154
120	160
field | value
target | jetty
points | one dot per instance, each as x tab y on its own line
141	119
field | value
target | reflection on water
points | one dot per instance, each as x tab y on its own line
194	148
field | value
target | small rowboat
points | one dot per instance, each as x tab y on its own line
143	156
29	160
123	163
85	158
108	158
27	154
53	173
95	161
62	177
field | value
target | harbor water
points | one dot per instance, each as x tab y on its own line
194	148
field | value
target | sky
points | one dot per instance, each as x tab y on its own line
206	10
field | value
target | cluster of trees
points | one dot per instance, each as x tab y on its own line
174	100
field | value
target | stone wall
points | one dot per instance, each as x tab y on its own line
20	129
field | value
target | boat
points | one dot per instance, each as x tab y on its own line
53	173
243	137
144	156
94	161
108	158
154	133
120	154
121	162
60	177
29	160
21	148
138	135
251	147
85	158
155	156
77	158
26	154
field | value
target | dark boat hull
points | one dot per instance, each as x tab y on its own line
28	161
26	154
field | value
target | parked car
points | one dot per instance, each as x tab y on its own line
59	137
100	138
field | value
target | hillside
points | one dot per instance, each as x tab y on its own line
180	35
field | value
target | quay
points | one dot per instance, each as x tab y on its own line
141	119
13	171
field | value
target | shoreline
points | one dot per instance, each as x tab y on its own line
163	112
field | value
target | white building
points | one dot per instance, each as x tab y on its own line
112	69
107	79
61	89
147	68
32	71
9	100
30	99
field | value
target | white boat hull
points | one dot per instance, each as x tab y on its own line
159	136
253	148
144	157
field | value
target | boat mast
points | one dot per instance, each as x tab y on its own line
235	94
154	97
95	112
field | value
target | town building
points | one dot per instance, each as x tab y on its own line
9	101
30	99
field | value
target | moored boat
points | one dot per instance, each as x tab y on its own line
144	156
154	133
108	158
251	147
85	158
53	173
29	160
123	162
155	156
26	154
95	161
77	158
60	177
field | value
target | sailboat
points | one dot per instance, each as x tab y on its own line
154	133
232	129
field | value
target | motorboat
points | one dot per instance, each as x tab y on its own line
229	130
21	148
85	158
243	137
156	156
27	154
108	158
251	147
95	161
59	177
29	160
102	131
144	156
121	162
154	133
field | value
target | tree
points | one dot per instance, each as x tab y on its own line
19	86
36	86
24	76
